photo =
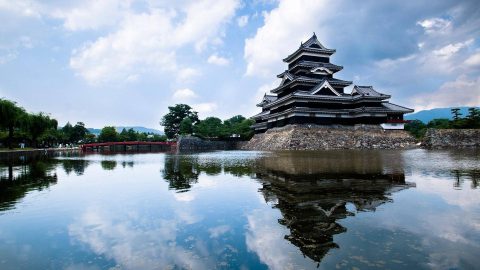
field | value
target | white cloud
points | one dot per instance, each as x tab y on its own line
26	42
266	238
265	89
10	52
187	216
219	230
133	78
451	49
184	196
142	41
473	60
447	60
218	60
25	8
92	14
389	63
8	56
435	25
187	74
204	20
242	21
258	96
285	26
184	94
461	92
206	107
147	42
113	236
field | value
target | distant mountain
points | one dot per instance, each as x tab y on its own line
428	115
141	129
97	131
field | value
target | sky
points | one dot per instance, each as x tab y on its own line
123	63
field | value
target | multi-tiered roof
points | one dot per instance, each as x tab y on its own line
308	93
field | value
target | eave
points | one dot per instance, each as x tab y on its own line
346	113
299	51
347	99
314	81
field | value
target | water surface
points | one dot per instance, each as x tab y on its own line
414	209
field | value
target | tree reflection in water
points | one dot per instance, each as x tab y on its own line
76	166
469	175
182	171
18	177
108	165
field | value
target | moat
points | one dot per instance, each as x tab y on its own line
346	209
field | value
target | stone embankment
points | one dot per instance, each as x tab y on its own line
447	138
314	137
192	144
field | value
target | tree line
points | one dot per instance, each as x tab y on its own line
110	134
182	120
17	126
472	121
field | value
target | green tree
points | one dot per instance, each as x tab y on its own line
50	136
74	134
123	135
143	137
456	114
245	130
11	116
416	127
237	119
211	127
238	126
440	123
171	121
89	138
231	126
473	118
108	134
159	138
66	133
186	126
457	122
132	135
129	135
38	124
78	132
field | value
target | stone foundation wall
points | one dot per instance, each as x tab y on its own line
192	144
315	137
444	138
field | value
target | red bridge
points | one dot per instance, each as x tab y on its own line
129	146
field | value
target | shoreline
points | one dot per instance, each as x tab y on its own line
17	153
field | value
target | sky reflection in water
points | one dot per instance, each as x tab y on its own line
250	210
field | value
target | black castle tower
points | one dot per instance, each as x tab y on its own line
309	94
